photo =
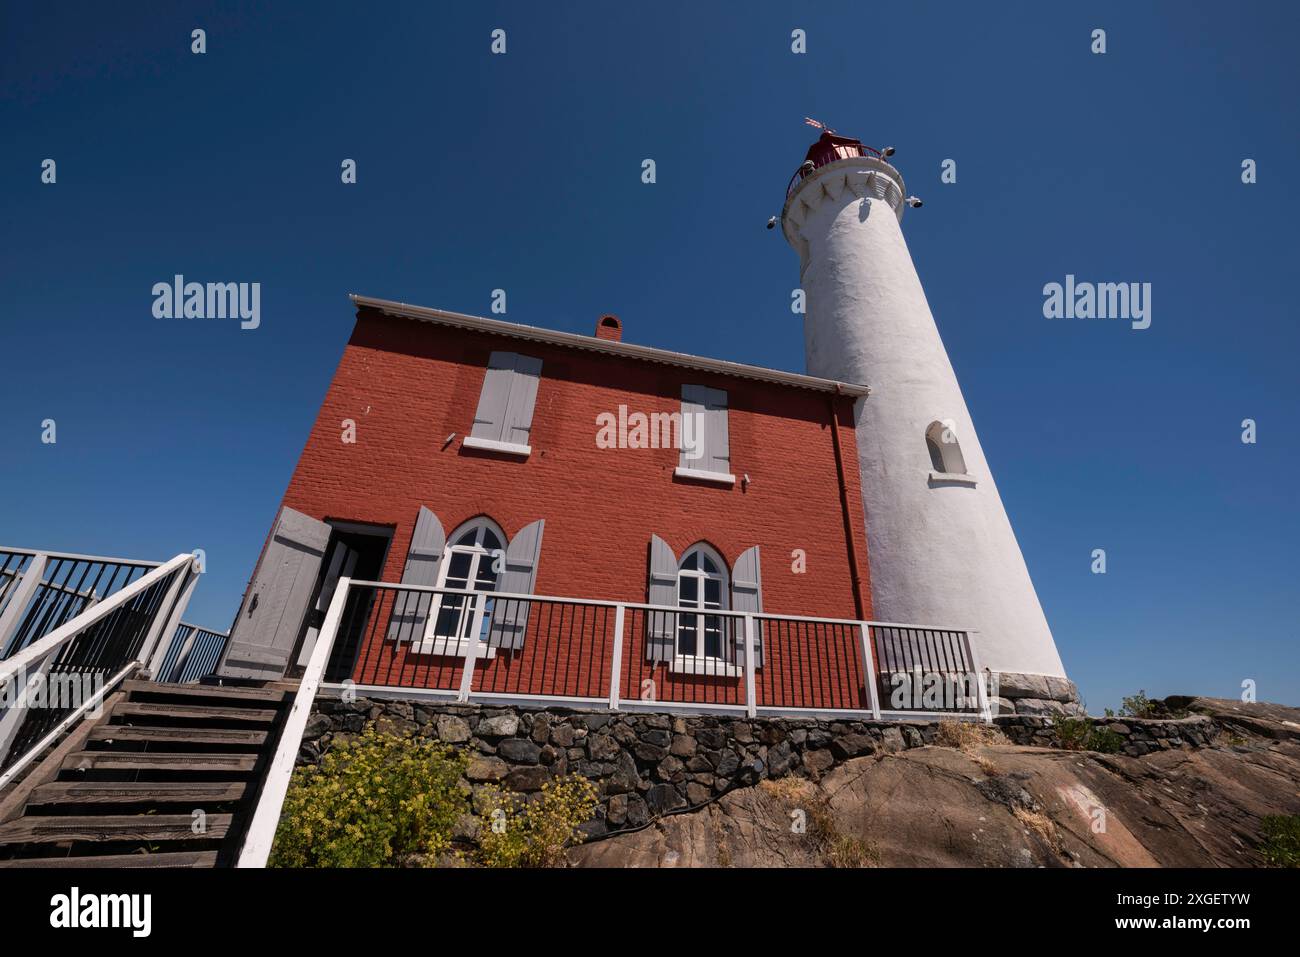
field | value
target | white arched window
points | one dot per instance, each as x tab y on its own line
702	585
945	450
470	561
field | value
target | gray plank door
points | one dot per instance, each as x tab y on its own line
278	598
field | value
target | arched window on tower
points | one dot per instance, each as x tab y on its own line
945	450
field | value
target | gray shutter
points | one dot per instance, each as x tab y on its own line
423	558
747	595
271	617
510	618
715	441
523	400
661	638
489	419
509	396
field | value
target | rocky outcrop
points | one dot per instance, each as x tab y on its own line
1007	805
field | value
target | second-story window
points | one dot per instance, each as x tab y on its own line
504	419
706	439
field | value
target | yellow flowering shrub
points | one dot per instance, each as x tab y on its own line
383	800
516	832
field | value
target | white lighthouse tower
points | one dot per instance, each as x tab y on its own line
940	546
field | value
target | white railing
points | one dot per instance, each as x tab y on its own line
451	644
58	675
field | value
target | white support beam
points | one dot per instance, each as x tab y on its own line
172	609
20	598
266	817
751	700
869	671
616	662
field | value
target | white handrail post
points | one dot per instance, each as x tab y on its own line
18	704
12	616
981	692
471	647
266	817
616	661
869	670
751	699
163	630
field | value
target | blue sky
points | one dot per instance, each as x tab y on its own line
522	172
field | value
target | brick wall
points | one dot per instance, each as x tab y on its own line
408	385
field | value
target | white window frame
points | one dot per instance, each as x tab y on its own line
457	645
702	663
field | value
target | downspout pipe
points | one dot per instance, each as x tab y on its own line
850	533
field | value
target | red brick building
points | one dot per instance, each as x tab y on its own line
468	453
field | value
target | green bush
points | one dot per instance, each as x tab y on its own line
517	832
1104	740
1281	845
383	800
1138	706
1080	734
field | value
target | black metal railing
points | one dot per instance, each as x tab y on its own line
925	669
693	657
827	156
812	664
634	655
64	586
391	636
193	654
79	668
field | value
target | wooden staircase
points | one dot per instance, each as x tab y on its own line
127	790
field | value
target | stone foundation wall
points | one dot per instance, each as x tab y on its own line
1139	736
1036	695
645	765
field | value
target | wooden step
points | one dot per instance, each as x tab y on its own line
189	793
168	859
112	827
150	712
200	694
193	762
133	735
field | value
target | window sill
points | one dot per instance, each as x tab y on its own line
449	648
952	478
706	667
721	478
492	445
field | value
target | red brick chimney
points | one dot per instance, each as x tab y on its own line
609	327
